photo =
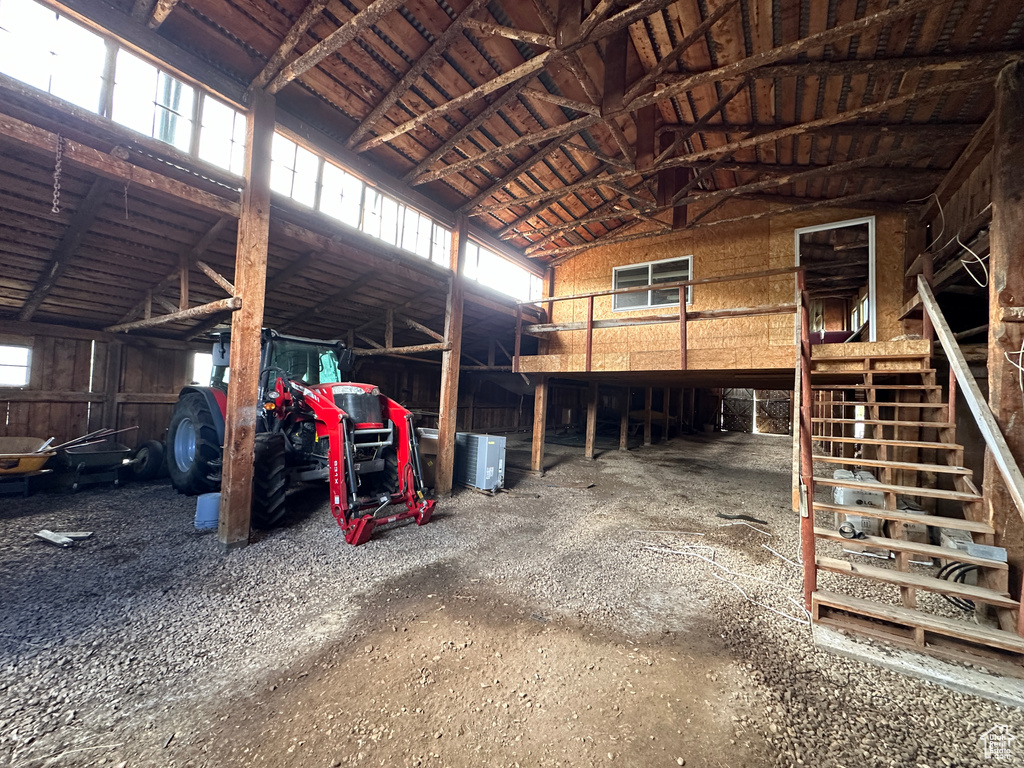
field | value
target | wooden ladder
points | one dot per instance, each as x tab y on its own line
878	408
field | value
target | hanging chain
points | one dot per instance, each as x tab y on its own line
56	174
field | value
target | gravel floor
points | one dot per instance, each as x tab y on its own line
145	632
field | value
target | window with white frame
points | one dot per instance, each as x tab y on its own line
222	135
294	171
341	195
51	52
15	363
153	102
495	271
652	273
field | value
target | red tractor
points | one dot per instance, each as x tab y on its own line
311	425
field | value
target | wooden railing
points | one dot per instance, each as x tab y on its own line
684	317
987	425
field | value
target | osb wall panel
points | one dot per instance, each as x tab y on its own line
728	343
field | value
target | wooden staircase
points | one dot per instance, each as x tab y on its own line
878	408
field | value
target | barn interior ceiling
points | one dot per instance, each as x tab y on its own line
555	123
551	124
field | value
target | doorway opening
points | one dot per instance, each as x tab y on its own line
839	259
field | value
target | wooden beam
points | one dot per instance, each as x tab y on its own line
410	323
698	33
108	166
980	145
644	120
542	94
203	310
331	301
512	76
569	18
648	406
624	422
509	33
197	250
341	37
566	253
77	227
599	14
216	277
787	51
415	349
615	54
1004	490
540	418
250	283
591	435
450	362
112	383
419	67
310	14
665	413
161	11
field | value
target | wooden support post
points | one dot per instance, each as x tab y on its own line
624	422
590	333
806	458
591	421
666	395
183	265
648	402
490	354
246	326
1006	332
389	328
540	417
112	384
682	329
450	362
519	337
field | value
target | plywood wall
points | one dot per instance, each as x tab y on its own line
735	343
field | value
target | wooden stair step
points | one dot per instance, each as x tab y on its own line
899	545
960	630
918	387
881	403
894	443
903	490
916	581
854	358
902	516
874	372
884	422
945	469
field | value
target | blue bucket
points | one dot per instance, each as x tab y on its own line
207	511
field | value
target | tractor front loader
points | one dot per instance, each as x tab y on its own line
311	426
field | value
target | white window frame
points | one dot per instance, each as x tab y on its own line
872	317
649	264
28	363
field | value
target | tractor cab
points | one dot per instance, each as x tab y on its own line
309	361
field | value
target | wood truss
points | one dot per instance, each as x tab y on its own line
559	123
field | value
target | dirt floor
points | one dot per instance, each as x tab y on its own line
554	625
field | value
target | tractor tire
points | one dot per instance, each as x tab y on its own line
390	474
148	462
193	451
269	480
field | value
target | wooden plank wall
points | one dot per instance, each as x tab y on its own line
67	388
734	343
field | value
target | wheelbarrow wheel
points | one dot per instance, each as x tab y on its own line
148	462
